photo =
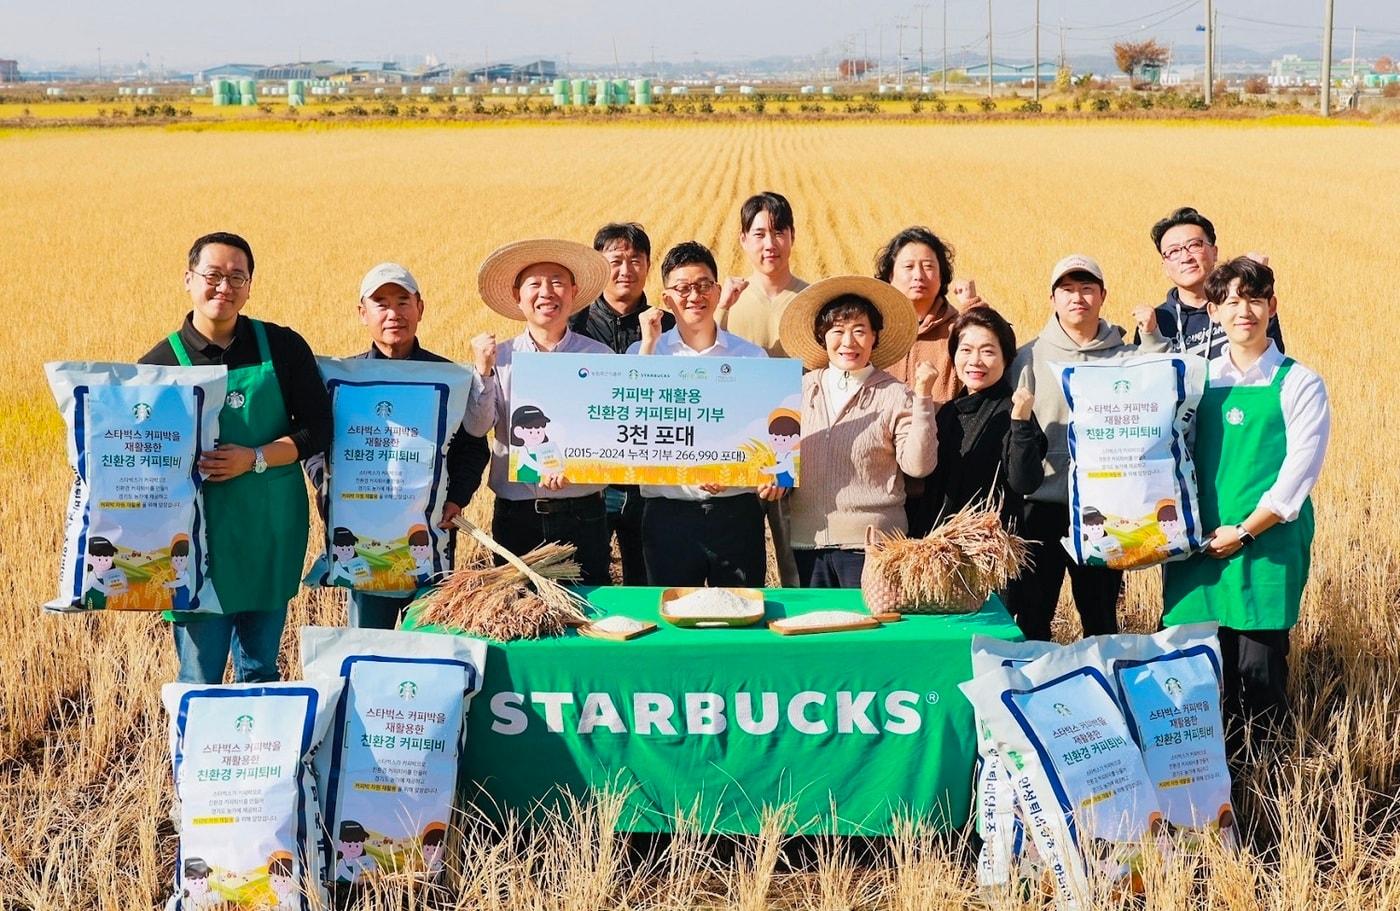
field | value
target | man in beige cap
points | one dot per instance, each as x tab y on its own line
1074	333
543	283
390	309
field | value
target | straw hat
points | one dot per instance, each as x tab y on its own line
495	280
795	331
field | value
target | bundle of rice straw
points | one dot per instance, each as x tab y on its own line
520	600
950	571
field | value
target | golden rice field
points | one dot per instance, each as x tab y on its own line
95	227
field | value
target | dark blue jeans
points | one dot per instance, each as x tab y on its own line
368	611
253	638
829	567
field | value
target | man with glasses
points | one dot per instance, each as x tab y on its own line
276	413
613	319
1185	240
709	534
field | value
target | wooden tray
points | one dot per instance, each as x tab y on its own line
752	595
590	632
777	627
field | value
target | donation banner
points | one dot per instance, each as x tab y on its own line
614	419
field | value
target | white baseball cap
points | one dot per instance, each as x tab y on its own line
387	274
1075	262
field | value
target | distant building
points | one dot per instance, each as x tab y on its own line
1013	73
318	69
536	71
1292	70
9	71
229	71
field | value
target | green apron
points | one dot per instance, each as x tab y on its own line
257	524
1260	586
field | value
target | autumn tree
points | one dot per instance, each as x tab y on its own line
1384	65
1129	55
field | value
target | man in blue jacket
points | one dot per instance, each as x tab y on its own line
1185	240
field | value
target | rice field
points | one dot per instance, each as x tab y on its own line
96	225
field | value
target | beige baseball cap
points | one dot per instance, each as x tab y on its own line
387	274
1075	262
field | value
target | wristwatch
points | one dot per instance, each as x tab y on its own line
1246	538
259	461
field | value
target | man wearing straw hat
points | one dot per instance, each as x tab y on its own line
543	283
862	429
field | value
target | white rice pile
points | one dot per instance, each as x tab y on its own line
618	624
823	618
710	602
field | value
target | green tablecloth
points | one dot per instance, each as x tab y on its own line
849	727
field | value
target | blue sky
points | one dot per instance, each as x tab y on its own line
192	35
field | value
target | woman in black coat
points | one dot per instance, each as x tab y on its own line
988	438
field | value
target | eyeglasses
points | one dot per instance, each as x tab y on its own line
702	287
215	278
1180	250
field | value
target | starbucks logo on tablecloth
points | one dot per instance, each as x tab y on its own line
408	690
1234	417
141	411
235	399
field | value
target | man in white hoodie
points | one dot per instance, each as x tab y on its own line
1074	333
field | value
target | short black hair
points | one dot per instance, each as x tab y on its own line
225	238
526	416
625	232
101	547
1256	279
690	253
917	234
343	537
993	322
1183	216
775	204
846	307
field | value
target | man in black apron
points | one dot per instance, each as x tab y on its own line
276	413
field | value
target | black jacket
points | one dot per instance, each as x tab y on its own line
981	450
1194	333
600	322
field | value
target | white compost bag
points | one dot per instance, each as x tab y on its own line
134	536
1169	687
1074	767
385	474
250	827
1132	482
1000	821
389	768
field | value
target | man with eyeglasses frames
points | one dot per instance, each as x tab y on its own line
276	413
613	320
707	534
1185	240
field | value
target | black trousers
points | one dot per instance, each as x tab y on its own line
1254	667
522	525
625	506
718	541
1031	599
829	567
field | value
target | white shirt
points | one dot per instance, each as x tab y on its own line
1307	418
670	343
840	386
498	387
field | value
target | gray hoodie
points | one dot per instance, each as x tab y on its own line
1034	368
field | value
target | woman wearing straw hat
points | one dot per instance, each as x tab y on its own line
543	283
862	430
